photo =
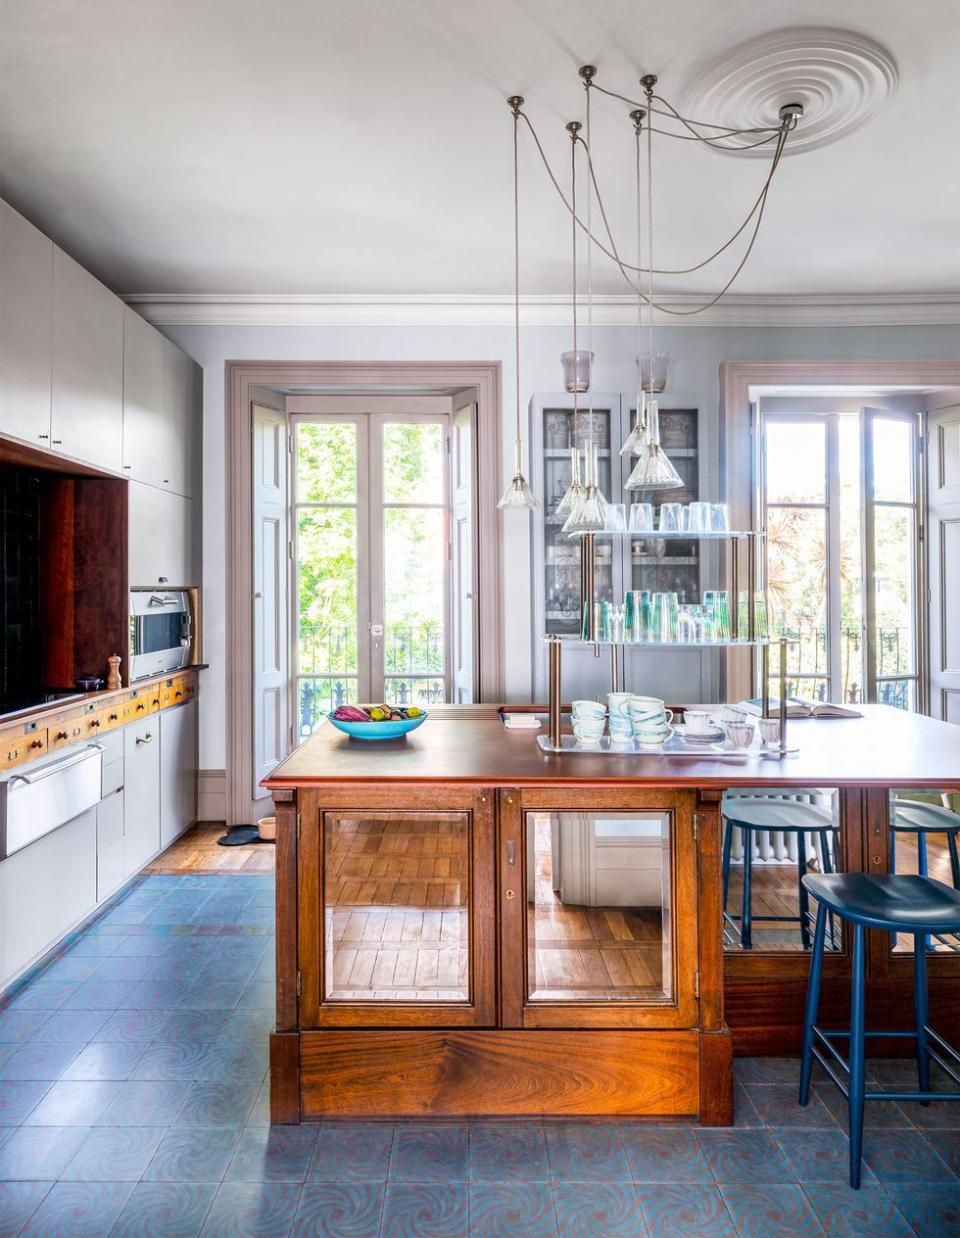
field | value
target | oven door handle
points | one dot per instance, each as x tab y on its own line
58	766
156	600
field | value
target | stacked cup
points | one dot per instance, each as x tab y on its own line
618	707
650	720
589	721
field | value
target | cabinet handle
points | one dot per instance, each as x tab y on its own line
141	706
511	854
113	718
43	436
60	735
37	743
95	722
57	442
145	739
177	695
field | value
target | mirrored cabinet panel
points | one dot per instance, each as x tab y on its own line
925	839
771	840
598	906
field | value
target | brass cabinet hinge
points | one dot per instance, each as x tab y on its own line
696	827
298	825
300	984
696	984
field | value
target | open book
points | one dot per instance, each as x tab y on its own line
800	707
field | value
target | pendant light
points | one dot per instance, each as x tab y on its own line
653	470
638	439
518	493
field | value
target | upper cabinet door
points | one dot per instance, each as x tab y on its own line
159	402
87	420
26	328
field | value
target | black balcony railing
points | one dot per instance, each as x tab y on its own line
808	663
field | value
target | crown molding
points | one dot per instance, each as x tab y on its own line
452	310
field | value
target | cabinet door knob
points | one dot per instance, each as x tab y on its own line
57	442
113	718
145	739
61	735
37	743
43	436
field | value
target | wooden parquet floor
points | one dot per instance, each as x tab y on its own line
197	851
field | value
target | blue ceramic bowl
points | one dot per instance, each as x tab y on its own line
377	730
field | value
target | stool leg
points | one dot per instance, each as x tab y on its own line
922	854
954	858
857	1057
727	847
812	1005
921	1011
804	900
827	868
746	910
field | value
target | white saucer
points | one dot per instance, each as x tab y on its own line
713	736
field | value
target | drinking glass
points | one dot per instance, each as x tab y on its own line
696	518
641	517
670	517
666	617
604	629
719	519
770	732
616	518
723	614
616	624
761	622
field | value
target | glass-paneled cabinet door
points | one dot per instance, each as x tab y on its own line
598	908
396	920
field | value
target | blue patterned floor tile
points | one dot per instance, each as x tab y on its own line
79	1210
44	994
751	1070
260	1113
105	1060
903	1156
749	1157
508	1152
165	1210
184	1060
744	1110
351	1152
144	1103
252	1209
193	1155
21	1025
688	1209
771	1211
328	1210
933	1211
946	1144
272	1154
196	1025
664	1154
76	1026
818	1156
777	1105
425	1152
97	995
877	1113
938	1115
18	1202
72	968
521	1209
39	1060
589	1209
216	1104
114	1154
854	1214
73	1104
40	1153
586	1152
212	995
132	1027
431	1210
19	1098
121	968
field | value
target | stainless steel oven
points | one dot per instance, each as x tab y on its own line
160	631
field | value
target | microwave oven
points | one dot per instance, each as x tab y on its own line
160	631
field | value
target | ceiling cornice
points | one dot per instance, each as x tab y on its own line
452	310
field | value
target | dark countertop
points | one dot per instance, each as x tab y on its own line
468	744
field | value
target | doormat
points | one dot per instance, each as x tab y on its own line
241	835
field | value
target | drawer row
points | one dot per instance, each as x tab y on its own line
24	743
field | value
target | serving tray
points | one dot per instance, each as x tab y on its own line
604	747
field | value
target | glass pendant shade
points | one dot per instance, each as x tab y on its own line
590	514
638	440
518	493
577	370
653	470
653	377
574	492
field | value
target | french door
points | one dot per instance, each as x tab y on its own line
370	551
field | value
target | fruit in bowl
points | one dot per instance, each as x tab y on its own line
379	721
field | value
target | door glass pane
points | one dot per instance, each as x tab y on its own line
797	584
599	922
777	918
318	696
894	541
326	590
924	839
326	462
413	462
796	461
893	461
396	894
414	560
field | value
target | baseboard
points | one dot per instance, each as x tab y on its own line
212	795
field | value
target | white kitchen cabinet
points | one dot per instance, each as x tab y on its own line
161	537
26	328
45	889
178	771
87	401
110	844
141	782
161	402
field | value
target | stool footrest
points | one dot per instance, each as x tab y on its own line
951	1068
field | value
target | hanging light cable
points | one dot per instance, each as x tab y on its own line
518	493
570	503
638	439
653	470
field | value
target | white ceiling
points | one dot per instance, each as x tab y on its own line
363	146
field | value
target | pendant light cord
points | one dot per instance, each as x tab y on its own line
573	234
589	290
516	275
650	237
637	129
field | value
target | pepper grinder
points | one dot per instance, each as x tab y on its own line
113	674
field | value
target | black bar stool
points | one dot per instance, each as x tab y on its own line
896	903
749	814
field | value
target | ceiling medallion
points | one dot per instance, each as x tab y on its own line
841	78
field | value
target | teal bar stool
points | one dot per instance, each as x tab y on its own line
750	814
895	903
914	817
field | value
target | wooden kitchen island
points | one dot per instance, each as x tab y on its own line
467	925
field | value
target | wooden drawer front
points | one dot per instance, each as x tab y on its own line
63	734
153	697
94	723
184	689
16	748
137	707
111	716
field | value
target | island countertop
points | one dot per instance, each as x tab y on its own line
886	747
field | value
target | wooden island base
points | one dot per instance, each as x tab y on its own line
470	927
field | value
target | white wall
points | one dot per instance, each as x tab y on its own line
697	354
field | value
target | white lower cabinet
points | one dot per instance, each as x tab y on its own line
141	781
178	771
110	867
44	890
